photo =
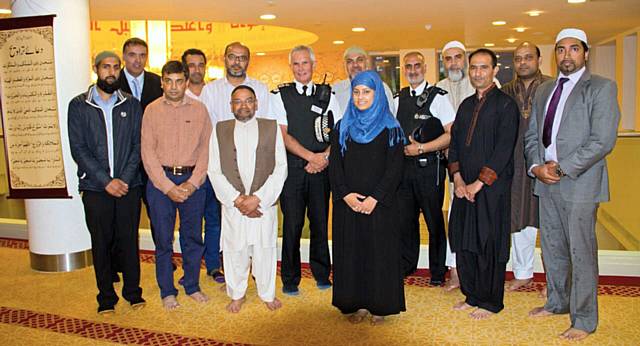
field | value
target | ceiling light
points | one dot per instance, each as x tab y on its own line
427	26
268	16
5	11
576	1
261	54
338	42
520	29
498	22
489	44
511	40
534	13
358	29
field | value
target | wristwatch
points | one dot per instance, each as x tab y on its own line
420	151
560	172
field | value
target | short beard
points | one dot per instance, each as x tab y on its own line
455	75
107	87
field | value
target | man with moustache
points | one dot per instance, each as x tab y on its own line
524	204
195	60
175	153
216	95
104	137
306	190
572	128
481	163
356	60
248	166
422	186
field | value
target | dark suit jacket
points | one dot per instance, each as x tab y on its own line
587	133
151	90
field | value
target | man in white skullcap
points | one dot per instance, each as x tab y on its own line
356	60
572	128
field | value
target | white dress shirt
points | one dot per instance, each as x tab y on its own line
550	152
277	106
440	108
239	231
216	95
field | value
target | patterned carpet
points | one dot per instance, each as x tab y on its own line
60	309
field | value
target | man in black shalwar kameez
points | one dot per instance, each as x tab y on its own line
481	162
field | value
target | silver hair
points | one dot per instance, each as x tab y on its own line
301	48
355	50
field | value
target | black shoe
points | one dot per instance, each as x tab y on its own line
436	282
291	290
323	285
217	275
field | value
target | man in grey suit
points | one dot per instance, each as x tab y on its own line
572	129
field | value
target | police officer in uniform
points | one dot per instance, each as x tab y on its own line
299	107
426	116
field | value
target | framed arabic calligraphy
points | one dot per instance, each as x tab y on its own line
29	105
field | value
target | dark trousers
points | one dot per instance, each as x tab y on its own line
163	216
422	189
304	192
113	225
482	279
211	227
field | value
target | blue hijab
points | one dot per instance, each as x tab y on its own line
363	126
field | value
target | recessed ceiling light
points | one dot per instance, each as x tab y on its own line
261	54
576	1
338	42
520	29
511	40
268	16
534	13
5	11
358	29
489	44
498	22
427	26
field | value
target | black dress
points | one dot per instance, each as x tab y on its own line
367	270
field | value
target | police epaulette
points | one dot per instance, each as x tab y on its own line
280	86
440	90
396	95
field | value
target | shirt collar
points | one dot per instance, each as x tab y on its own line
130	78
574	77
244	82
186	100
248	123
486	92
309	87
99	101
420	87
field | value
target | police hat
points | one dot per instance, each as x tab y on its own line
430	129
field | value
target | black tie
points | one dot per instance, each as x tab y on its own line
304	90
413	93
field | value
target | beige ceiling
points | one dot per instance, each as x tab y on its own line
392	25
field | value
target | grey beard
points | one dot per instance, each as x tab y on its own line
455	75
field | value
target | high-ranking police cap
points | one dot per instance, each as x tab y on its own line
428	130
323	125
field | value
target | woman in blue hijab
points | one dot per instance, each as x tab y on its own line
365	169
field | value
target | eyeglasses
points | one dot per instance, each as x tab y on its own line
241	58
247	102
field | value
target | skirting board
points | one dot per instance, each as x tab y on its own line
611	262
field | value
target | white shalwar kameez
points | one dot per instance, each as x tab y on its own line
249	243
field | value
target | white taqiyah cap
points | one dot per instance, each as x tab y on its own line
573	33
454	44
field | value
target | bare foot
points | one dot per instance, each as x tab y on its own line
377	320
273	305
454	281
235	305
540	312
170	302
462	306
481	314
358	316
514	284
199	297
543	293
574	334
